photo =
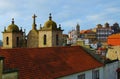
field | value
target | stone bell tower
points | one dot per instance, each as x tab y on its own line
50	35
12	36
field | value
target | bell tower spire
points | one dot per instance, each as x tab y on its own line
78	30
34	22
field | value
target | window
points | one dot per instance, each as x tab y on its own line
7	40
44	39
95	74
81	76
57	40
118	75
17	41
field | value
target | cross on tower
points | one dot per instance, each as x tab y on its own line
34	16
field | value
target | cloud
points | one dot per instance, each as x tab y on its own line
107	14
112	10
94	17
5	4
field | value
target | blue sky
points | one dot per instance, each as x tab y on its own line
88	13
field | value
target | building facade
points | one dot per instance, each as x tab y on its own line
88	34
73	35
64	39
115	28
103	32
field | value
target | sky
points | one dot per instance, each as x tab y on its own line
68	13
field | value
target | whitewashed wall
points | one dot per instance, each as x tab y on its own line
88	74
110	70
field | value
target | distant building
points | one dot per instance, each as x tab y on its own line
88	34
78	30
103	32
74	35
64	39
115	28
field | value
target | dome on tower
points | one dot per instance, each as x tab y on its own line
50	25
12	27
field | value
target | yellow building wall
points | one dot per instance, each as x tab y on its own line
12	39
81	43
113	53
49	38
5	35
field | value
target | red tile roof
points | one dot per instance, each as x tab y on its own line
114	39
86	31
114	36
48	63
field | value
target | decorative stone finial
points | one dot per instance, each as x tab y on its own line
21	29
4	28
40	26
60	26
12	20
50	17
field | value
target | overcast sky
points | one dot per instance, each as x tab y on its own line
88	13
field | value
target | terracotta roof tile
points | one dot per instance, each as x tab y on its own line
48	63
86	31
114	39
114	36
